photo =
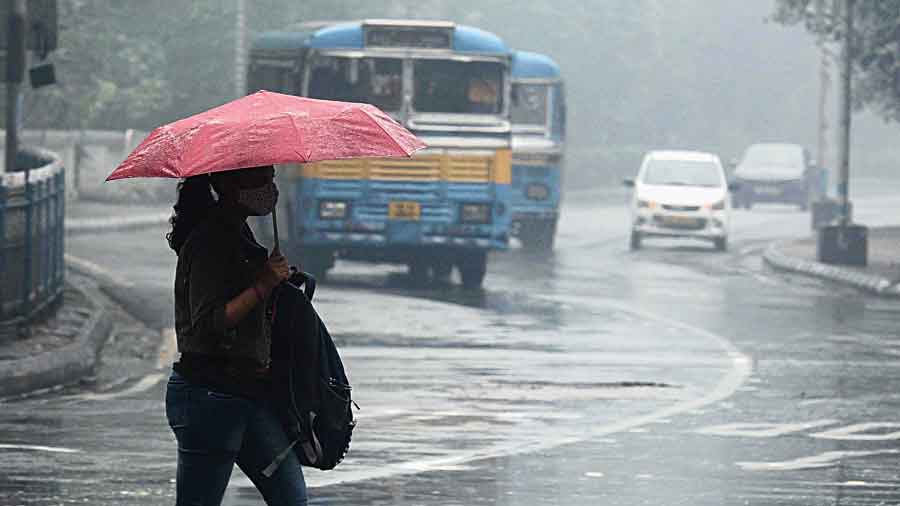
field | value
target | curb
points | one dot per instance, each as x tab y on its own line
84	225
867	282
64	365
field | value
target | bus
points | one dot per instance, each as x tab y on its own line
444	208
538	117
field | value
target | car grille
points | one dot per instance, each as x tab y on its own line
680	208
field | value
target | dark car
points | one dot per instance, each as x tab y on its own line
774	172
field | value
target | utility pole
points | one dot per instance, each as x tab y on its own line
824	85
15	70
845	112
844	242
240	70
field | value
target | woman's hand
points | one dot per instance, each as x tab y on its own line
274	272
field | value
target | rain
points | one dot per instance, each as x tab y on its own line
600	252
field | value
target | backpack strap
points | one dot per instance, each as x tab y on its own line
305	279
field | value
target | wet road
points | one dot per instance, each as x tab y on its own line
674	375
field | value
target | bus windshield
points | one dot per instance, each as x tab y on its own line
529	104
458	87
377	81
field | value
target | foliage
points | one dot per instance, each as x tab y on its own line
875	44
640	74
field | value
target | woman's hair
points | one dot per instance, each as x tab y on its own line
195	199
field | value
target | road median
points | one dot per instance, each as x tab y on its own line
880	277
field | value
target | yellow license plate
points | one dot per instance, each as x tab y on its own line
404	210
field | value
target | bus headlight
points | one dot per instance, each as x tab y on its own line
475	213
332	209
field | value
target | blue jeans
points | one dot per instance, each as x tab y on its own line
215	431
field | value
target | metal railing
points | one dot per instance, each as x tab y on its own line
32	212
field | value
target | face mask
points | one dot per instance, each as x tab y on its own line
259	201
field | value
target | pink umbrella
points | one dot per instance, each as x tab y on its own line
267	128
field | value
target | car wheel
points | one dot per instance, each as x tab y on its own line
721	243
635	241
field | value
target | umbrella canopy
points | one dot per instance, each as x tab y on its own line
267	128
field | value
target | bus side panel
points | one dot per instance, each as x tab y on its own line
531	182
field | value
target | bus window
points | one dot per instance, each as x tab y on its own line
559	111
457	87
529	104
377	81
270	78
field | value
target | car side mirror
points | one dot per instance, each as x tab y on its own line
734	186
628	183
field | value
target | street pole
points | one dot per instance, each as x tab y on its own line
824	84
240	72
845	112
15	70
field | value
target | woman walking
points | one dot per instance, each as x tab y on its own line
216	400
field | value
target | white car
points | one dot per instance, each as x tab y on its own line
680	194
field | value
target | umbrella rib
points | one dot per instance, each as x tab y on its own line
388	134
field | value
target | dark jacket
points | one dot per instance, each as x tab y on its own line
219	260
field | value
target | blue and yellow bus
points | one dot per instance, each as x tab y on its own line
446	207
539	118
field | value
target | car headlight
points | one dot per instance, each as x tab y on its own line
332	209
475	213
717	206
647	204
537	191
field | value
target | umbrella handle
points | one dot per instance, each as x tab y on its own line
277	248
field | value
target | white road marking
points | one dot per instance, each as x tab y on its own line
167	350
827	459
96	270
144	384
38	448
760	430
856	432
737	374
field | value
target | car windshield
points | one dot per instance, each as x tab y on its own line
377	81
529	104
782	159
682	173
458	87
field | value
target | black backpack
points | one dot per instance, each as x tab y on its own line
311	391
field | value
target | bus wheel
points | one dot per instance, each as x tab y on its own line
472	268
418	271
441	270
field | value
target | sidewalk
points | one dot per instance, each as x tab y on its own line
65	347
59	350
881	276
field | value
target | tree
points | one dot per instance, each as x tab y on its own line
875	46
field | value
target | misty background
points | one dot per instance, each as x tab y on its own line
713	75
